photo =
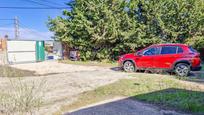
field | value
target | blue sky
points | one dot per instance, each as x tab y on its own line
32	22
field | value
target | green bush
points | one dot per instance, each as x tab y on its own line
198	43
108	29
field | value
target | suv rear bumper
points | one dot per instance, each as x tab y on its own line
196	68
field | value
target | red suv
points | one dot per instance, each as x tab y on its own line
179	58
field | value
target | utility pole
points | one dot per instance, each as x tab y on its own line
16	26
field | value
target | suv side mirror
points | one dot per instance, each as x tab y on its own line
139	54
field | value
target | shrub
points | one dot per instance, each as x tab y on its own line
22	97
6	71
198	43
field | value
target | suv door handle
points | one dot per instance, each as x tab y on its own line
136	58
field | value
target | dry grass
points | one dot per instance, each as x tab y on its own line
20	97
6	71
90	63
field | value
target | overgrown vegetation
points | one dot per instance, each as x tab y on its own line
105	29
161	90
21	97
6	71
18	96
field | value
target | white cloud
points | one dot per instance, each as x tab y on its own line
26	34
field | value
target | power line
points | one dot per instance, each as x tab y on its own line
6	19
47	6
8	24
38	3
30	30
34	8
16	25
51	2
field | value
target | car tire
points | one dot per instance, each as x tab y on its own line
182	69
129	66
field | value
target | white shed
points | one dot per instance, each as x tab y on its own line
19	51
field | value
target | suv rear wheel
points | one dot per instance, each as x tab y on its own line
129	66
182	69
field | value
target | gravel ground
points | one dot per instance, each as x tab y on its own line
67	82
53	67
71	80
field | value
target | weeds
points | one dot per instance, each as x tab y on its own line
161	90
22	97
6	71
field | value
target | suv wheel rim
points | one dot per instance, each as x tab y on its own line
129	67
182	70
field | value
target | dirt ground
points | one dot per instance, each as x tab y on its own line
53	67
63	82
67	81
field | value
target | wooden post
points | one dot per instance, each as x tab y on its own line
3	51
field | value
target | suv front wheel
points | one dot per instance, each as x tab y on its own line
182	69
129	66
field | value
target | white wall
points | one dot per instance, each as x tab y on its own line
21	51
21	46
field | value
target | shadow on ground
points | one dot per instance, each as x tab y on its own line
116	69
197	76
164	102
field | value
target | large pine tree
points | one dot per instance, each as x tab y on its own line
105	29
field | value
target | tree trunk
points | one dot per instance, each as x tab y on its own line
66	51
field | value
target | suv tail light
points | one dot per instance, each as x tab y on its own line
197	55
196	60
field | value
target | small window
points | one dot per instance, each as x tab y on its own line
168	50
192	50
150	51
180	50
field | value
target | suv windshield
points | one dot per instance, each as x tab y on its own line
192	50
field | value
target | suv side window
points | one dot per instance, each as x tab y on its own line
150	51
180	50
169	50
192	50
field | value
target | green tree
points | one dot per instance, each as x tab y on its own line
171	20
105	29
93	26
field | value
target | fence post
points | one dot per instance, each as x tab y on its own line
3	51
